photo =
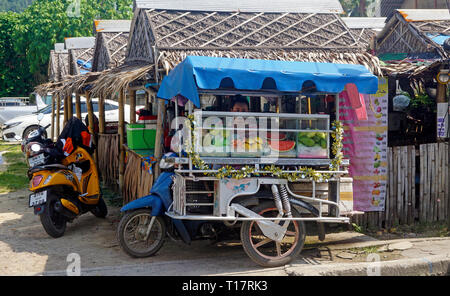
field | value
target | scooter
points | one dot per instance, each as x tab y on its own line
143	228
62	190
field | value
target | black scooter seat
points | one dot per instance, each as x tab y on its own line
47	167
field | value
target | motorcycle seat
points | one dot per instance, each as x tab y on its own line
46	167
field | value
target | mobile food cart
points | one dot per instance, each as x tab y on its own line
244	169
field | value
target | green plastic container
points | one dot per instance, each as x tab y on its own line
141	136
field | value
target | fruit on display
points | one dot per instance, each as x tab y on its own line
247	144
311	139
282	146
275	136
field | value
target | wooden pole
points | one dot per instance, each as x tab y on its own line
159	134
121	139
101	114
53	119
58	117
90	110
78	106
132	94
66	112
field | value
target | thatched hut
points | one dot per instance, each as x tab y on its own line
110	43
365	29
81	53
165	32
58	65
412	49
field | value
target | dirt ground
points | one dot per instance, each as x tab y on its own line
26	249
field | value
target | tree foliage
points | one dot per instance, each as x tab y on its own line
14	70
32	34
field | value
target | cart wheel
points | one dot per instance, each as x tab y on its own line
265	251
135	237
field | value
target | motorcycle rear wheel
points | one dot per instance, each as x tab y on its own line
100	210
53	222
266	252
132	233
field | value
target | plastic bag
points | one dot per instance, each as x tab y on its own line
400	102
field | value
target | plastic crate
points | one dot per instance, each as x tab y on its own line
141	136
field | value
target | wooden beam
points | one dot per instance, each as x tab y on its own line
65	110
132	94
53	119
69	107
121	139
159	134
91	115
101	114
78	106
58	108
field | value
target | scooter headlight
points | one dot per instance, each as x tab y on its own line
35	147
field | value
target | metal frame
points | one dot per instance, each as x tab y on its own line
223	208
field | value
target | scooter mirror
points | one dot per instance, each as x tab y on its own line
40	116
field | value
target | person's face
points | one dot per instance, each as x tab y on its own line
240	107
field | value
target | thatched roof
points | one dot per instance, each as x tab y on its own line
365	29
81	53
171	35
107	83
412	31
111	43
58	65
317	6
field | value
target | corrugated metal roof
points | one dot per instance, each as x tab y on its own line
112	25
80	42
417	15
376	23
301	6
59	47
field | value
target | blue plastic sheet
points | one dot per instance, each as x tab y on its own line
210	73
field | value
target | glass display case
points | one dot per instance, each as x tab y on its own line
250	135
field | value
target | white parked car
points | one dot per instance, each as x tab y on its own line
20	127
13	107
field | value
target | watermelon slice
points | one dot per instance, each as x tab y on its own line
282	146
275	136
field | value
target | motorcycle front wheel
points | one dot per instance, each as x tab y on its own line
140	234
265	251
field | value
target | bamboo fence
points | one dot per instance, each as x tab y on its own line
108	159
417	187
137	182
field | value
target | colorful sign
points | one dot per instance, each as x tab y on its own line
365	144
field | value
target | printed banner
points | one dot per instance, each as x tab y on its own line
365	144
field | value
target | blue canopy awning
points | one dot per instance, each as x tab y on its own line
250	74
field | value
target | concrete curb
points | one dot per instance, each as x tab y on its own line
430	265
345	246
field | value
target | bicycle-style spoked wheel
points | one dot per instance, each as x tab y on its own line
140	234
265	251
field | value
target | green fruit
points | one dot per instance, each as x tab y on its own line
322	135
317	138
311	134
323	144
307	142
301	134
